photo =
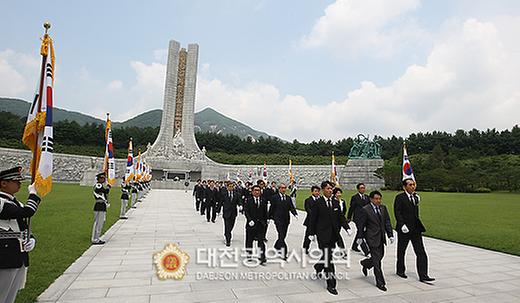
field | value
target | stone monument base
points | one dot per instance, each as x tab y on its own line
362	171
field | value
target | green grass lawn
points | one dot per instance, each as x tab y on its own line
63	227
484	220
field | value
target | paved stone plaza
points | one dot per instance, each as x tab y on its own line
122	269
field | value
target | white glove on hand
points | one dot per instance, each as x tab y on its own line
359	241
29	245
32	189
240	208
312	238
405	229
349	232
392	240
269	221
251	223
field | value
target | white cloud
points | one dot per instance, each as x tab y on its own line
17	70
470	79
357	27
114	85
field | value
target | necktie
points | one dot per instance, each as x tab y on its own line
379	213
257	203
328	203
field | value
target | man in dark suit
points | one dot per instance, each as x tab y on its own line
255	211
410	228
309	204
203	202
374	222
230	202
281	206
357	202
211	199
198	193
325	223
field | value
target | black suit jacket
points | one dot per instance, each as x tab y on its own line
356	204
407	212
279	210
211	196
257	214
373	229
229	206
198	191
309	204
326	222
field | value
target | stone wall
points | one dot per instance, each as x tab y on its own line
66	168
74	168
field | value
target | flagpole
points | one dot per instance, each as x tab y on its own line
47	26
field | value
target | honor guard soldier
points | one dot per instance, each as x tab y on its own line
15	238
100	208
134	194
125	195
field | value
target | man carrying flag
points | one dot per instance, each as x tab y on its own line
125	185
109	164
409	226
16	240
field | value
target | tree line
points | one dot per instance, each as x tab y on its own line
463	161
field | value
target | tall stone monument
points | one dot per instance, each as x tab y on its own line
175	155
175	152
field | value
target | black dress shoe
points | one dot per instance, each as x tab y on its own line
402	275
381	287
332	290
365	271
427	279
262	262
228	244
356	249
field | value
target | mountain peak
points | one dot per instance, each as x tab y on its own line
207	120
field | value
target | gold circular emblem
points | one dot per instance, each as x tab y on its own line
171	262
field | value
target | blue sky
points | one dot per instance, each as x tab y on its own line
315	69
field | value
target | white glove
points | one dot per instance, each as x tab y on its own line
251	223
269	221
359	241
108	205
392	240
32	189
349	232
29	245
240	208
312	238
405	229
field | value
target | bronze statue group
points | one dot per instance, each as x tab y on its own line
265	205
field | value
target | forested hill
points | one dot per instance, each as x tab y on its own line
207	120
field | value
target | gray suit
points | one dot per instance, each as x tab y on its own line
372	227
